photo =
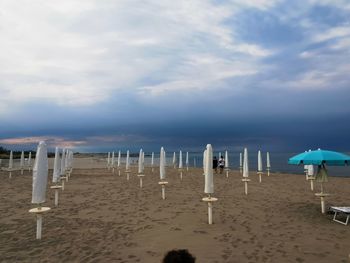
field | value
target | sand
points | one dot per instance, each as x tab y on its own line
105	218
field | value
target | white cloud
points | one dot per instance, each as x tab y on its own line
332	33
78	53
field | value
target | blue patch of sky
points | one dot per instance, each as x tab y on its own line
264	28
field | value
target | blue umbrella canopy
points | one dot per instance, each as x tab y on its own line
319	157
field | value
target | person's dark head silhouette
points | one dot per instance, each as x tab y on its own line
179	256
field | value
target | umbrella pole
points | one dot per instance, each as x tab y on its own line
39	219
163	183
210	201
127	175
141	176
245	180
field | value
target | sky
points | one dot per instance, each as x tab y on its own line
102	75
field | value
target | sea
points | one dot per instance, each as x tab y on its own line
278	161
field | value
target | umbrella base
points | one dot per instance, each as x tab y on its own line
210	200
323	201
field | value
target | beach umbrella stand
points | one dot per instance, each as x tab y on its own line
56	188
210	200
181	171
140	177
38	211
163	184
311	179
323	201
246	180
127	175
227	170
63	179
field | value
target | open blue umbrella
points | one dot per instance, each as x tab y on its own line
319	157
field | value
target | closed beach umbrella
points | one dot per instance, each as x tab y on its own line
40	173
63	159
204	154
180	160
118	159
208	172
113	159
245	164
30	159
226	160
22	160
187	161
127	162
162	164
140	166
240	162
174	159
259	162
268	164
108	159
56	167
219	155
152	159
66	163
11	160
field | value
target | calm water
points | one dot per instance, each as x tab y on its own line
279	162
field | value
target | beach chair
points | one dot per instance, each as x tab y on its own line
341	210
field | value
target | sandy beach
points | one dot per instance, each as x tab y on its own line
105	218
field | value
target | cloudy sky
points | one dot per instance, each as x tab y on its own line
98	75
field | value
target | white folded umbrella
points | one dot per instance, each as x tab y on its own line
11	160
40	173
22	160
208	171
140	164
56	167
30	159
259	162
245	163
268	165
162	164
63	160
226	160
180	160
127	163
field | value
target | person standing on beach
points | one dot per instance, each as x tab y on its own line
215	164
221	164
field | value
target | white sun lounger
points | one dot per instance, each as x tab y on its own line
342	210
